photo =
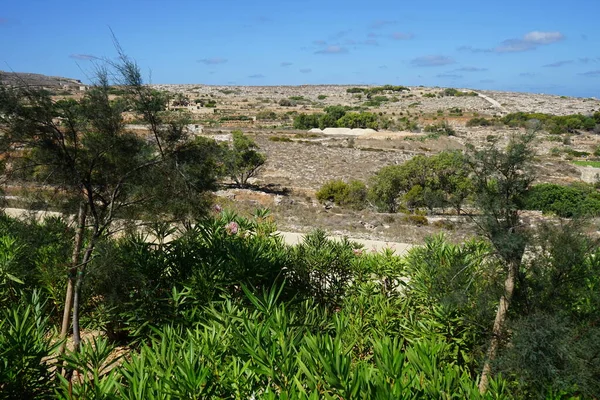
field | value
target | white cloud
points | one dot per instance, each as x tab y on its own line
529	41
538	37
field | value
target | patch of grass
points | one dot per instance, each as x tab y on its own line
595	164
279	139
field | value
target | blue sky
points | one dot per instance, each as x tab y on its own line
526	45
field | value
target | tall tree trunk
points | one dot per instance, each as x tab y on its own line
77	290
499	322
79	234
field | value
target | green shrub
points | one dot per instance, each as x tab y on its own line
564	201
351	195
307	121
554	124
321	97
479	121
417	220
442	128
266	115
280	139
26	369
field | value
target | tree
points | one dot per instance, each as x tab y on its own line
431	182
385	187
306	121
83	148
501	179
242	159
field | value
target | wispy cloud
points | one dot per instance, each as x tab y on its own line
306	70
320	42
383	67
487	81
591	74
381	23
256	76
83	57
332	50
558	64
402	36
527	74
286	64
530	41
432	61
587	60
471	69
3	21
451	76
213	61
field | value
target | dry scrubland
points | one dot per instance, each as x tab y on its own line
298	162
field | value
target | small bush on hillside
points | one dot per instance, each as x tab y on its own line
266	115
479	121
286	103
442	128
352	195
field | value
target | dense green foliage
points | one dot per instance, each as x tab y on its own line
352	195
378	89
554	124
338	116
228	311
565	201
422	182
457	93
242	159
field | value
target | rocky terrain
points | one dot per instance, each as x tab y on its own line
39	80
299	161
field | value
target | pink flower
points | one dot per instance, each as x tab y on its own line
217	208
357	252
232	228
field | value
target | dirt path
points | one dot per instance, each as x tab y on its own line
293	238
493	102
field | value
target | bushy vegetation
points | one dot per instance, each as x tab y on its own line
266	115
422	182
576	200
228	310
451	92
339	116
554	124
479	121
242	159
441	128
352	195
378	89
